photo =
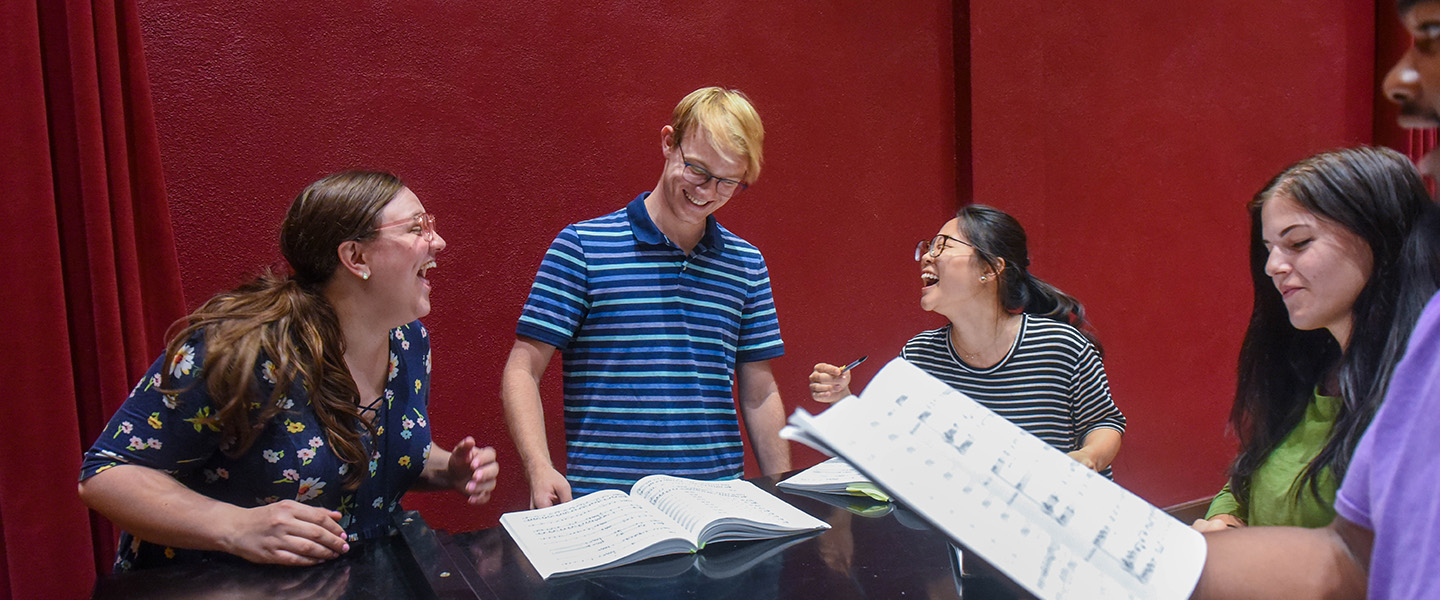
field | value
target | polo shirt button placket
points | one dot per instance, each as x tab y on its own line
684	264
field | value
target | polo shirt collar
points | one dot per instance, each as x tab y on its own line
647	233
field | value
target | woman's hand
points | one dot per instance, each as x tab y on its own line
1219	522
285	533
828	383
1084	457
154	507
1099	450
473	470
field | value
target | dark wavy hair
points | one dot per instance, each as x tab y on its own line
287	320
1376	194
999	241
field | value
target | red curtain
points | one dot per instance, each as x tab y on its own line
91	279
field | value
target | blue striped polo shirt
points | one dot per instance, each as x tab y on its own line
650	338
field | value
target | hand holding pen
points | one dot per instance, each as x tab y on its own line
829	383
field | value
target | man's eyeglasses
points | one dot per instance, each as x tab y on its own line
936	245
423	224
699	176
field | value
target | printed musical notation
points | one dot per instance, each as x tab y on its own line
1051	524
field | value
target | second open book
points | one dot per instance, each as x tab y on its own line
1055	527
661	515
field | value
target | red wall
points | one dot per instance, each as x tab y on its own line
1126	136
511	120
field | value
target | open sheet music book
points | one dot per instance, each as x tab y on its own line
661	515
721	560
1055	527
834	476
864	506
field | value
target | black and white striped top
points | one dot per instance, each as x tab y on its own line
1052	382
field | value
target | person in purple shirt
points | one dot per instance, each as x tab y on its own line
1385	539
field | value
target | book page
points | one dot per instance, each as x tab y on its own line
830	473
1057	528
696	505
593	531
834	476
864	506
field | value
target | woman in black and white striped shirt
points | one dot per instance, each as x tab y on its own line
1013	343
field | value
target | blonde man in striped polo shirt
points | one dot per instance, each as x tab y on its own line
660	314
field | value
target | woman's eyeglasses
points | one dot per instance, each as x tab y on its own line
424	222
936	245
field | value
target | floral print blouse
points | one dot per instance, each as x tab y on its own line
291	459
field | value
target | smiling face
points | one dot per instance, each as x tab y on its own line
683	206
1414	81
399	258
1318	266
951	281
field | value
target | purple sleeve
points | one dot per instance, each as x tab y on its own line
1393	485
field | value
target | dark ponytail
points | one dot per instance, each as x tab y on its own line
1000	241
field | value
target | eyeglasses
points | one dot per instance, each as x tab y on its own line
699	176
936	245
424	221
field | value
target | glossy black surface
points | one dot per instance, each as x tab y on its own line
381	569
873	550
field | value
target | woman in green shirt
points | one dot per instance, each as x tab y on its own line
1339	283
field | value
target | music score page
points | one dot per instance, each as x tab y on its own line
1057	528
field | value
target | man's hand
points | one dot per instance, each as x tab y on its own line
548	488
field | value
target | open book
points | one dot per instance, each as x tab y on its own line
721	560
860	505
834	476
661	515
1055	527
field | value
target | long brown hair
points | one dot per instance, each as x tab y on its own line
288	321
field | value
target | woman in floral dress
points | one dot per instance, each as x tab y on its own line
287	417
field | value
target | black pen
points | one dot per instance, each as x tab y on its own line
854	364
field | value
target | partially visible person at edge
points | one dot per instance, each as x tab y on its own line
1387	512
1337	291
287	417
659	312
1013	343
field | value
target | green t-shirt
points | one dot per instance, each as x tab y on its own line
1273	500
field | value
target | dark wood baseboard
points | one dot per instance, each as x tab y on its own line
1189	511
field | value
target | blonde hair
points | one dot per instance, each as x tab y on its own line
729	118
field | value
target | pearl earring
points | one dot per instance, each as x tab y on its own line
365	276
984	278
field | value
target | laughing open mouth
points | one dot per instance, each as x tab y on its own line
692	199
